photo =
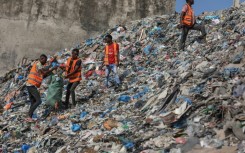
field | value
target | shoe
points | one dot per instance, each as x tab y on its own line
65	106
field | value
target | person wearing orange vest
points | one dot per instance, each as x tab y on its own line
111	59
74	74
188	22
34	81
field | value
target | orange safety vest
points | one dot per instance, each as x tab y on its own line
189	16
106	59
70	68
34	77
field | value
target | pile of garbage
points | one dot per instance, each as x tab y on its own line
169	101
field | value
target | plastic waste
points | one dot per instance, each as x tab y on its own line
20	77
128	144
55	91
163	91
75	127
147	49
83	114
239	90
89	42
54	121
211	143
8	106
210	17
124	98
25	148
241	147
237	59
180	140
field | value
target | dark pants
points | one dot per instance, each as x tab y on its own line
71	90
34	98
185	31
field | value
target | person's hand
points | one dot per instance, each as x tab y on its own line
55	68
56	107
66	76
102	65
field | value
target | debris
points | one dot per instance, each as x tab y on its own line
168	100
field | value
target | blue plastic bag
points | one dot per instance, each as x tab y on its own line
20	77
129	145
147	49
141	94
124	98
83	114
106	112
75	127
184	98
89	42
25	148
55	64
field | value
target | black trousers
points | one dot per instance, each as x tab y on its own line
35	99
71	91
185	31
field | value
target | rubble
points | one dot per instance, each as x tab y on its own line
169	101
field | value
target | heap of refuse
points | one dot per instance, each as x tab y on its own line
169	101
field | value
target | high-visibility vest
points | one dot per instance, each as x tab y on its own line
71	68
106	58
189	16
34	77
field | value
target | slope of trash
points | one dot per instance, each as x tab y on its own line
169	101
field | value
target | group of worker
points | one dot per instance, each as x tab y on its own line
111	60
72	72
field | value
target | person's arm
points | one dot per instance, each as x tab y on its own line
46	72
118	54
63	67
103	62
183	12
181	18
78	65
43	70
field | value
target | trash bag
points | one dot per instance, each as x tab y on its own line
124	98
55	90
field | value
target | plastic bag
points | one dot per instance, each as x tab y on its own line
55	90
